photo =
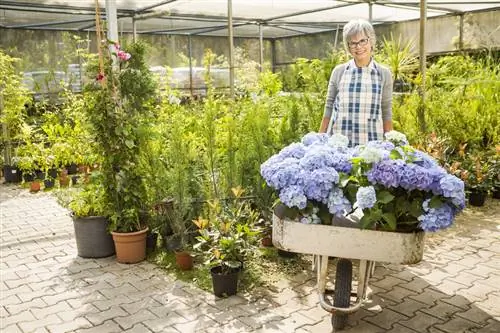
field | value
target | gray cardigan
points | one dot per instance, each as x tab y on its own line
333	90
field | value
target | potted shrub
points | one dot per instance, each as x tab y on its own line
87	206
475	172
120	105
13	97
226	238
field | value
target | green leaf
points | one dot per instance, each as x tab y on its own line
395	155
366	222
435	202
384	197
129	143
391	220
416	208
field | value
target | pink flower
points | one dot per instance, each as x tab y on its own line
100	77
124	56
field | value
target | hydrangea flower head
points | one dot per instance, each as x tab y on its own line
396	137
338	140
366	197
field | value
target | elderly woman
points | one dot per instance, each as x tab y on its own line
359	97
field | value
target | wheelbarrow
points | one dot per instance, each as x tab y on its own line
346	244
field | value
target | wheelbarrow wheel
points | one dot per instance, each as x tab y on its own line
342	295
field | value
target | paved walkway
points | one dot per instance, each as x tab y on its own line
45	287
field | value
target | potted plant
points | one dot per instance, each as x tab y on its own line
13	97
475	171
226	238
120	105
88	212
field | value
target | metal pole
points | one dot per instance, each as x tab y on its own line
370	12
6	136
261	48
190	55
134	29
461	33
111	20
336	37
421	109
273	55
231	45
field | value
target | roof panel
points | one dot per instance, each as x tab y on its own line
281	18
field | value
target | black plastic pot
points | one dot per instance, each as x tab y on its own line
12	174
92	237
496	193
74	179
29	176
224	284
48	183
286	254
151	241
477	198
72	169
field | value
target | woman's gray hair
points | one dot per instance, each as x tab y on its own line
359	26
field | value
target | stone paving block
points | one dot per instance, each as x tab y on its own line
108	326
139	328
100	317
24	316
316	313
442	310
449	287
421	322
388	282
458	301
493	326
429	296
43	312
417	285
401	329
129	321
30	326
490	305
260	319
7	298
478	292
11	329
196	325
408	307
122	290
398	294
457	324
234	326
364	327
465	278
63	296
386	318
475	314
135	307
77	323
290	307
291	323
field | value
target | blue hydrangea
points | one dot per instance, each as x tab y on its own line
295	150
366	197
338	204
373	155
293	196
436	218
453	188
311	138
319	183
283	173
386	173
424	160
415	177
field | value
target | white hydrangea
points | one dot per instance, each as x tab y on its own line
371	154
396	137
338	140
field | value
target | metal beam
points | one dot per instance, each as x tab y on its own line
47	24
231	45
161	3
307	12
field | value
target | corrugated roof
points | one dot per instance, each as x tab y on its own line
277	18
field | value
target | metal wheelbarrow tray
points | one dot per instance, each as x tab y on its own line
367	246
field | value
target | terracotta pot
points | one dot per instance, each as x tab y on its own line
267	241
130	246
63	181
184	260
35	186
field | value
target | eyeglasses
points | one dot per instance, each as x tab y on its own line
361	42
